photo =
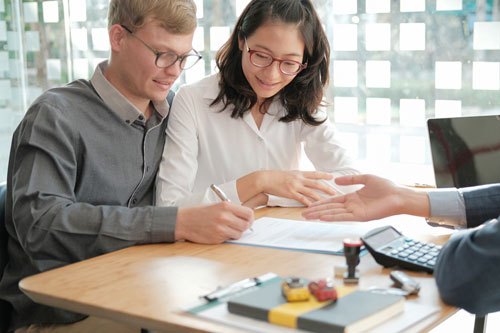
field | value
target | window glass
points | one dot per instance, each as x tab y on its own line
394	64
414	60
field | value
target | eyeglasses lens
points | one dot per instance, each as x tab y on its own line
168	59
260	59
189	61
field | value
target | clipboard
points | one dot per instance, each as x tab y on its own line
217	311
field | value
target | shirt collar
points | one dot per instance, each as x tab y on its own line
118	103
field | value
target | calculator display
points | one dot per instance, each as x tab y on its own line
383	237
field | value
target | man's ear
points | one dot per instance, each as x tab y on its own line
116	36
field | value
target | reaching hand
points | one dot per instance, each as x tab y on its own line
377	199
299	185
213	224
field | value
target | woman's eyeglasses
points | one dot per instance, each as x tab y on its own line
264	59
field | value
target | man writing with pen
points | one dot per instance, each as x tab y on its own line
84	159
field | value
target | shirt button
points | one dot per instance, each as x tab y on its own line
134	201
141	117
127	121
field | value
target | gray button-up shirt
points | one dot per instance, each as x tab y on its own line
80	183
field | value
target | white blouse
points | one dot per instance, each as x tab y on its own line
205	146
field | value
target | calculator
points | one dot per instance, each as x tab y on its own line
390	248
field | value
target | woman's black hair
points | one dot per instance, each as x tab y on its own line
304	94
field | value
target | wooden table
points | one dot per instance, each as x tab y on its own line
147	285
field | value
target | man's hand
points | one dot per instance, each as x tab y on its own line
212	224
378	198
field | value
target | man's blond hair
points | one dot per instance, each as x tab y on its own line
175	16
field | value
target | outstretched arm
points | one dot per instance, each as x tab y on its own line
378	198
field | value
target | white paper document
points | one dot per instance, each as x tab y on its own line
319	237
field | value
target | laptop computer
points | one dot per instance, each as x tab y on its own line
465	150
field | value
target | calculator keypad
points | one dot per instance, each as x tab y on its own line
416	252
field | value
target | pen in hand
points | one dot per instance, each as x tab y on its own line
222	196
219	193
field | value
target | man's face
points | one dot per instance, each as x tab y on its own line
141	80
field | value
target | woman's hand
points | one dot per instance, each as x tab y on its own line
302	186
299	185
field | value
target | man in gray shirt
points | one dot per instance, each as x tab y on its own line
84	159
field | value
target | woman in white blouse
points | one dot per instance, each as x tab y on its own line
242	129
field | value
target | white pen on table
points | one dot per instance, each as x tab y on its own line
217	190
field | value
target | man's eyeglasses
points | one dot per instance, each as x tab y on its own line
167	59
264	59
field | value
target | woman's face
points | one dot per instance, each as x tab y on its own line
281	41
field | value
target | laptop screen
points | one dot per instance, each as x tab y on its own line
465	150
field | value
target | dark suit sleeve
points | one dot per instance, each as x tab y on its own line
481	203
467	271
